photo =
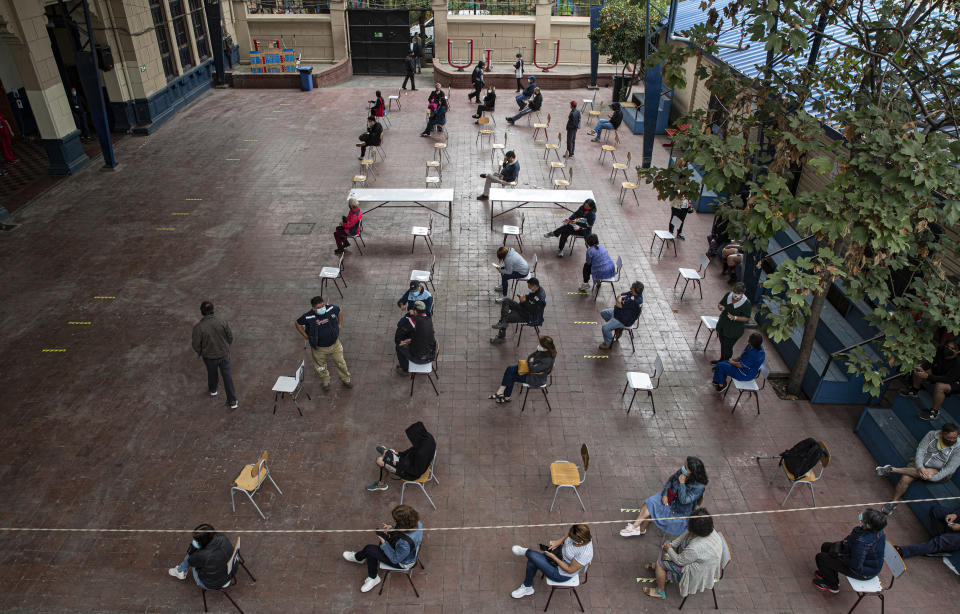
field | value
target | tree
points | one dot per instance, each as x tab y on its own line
888	94
621	29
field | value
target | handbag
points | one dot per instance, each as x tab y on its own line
523	367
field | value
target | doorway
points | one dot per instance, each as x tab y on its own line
379	40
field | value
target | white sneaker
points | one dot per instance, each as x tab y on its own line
368	584
522	592
584	287
630	531
519	550
214	393
499	299
351	556
176	573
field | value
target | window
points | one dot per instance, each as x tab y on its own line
199	19
179	20
163	39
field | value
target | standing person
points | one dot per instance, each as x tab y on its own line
349	227
744	368
415	339
518	70
611	123
398	545
489	103
735	309
679	210
580	224
528	309
669	507
559	561
321	328
78	107
534	105
598	263
417	52
573	124
211	341
537	368
513	267
859	555
622	315
410	64
477	79
372	137
208	554
693	560
508	173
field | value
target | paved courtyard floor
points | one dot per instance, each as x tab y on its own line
117	430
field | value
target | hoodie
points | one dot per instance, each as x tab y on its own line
414	460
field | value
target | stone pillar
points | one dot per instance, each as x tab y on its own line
440	33
338	30
542	28
241	30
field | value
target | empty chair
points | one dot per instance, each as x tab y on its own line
432	180
359	181
537	127
334	273
394	99
425	277
543	389
235	560
367	166
631	186
378	149
515	231
564	474
563	183
589	101
428	476
620	167
610	149
873	586
556	165
611	281
808	478
427	369
637	380
554	147
664	236
250	480
693	275
497	148
290	385
440	152
483	132
423	231
711	323
750	387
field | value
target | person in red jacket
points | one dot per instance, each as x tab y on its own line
379	108
349	227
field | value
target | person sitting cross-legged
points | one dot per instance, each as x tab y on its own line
622	315
579	223
858	556
945	525
409	464
742	369
372	137
536	369
508	173
559	561
489	103
528	309
692	560
669	508
397	545
936	460
208	554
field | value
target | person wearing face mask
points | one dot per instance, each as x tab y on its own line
371	138
735	310
859	555
321	328
580	223
415	338
533	371
744	368
678	498
416	292
943	373
936	460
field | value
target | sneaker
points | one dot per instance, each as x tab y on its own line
889	508
368	584
584	287
884	470
325	387
928	415
176	573
233	405
559	253
214	393
631	531
496	340
348	384
522	592
351	556
910	392
483	197
401	370
377	486
713	362
547	235
483	175
681	237
825	587
724	387
519	550
381	450
498	326
605	346
594	140
511	121
499	299
338	251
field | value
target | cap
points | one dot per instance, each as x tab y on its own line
573	103
420	306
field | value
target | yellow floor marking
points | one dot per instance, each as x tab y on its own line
249	140
594	356
79	322
242	149
580	293
179	214
233	159
110	297
582	322
57	350
165	228
193	199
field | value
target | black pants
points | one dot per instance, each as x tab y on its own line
569	229
482	108
373	555
366	143
404	357
571	140
476	92
223	366
519	87
511	312
829	565
413	83
726	345
586	273
679	212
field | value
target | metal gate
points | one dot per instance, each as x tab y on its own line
379	41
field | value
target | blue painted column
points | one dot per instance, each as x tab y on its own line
653	84
594	56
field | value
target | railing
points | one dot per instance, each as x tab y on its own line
572	8
830	358
783	249
288	7
500	7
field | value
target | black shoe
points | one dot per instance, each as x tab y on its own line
401	370
713	362
483	197
497	339
723	387
483	175
511	121
909	392
928	415
338	251
413	90
498	326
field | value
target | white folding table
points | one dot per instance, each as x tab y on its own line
533	198
419	197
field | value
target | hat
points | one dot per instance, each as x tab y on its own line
532	78
573	103
420	306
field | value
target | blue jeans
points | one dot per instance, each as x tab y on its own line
944	539
505	277
536	561
519	99
601	125
185	565
610	324
511	377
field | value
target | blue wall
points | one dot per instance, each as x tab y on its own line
144	115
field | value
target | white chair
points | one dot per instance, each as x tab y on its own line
423	231
515	231
693	275
724	561
873	586
497	148
406	570
564	474
543	389
334	273
750	387
292	386
517	280
425	277
589	101
428	476
250	480
394	99
599	284
636	326
426	369
711	323
572	583
638	381
664	236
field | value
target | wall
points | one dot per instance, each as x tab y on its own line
313	34
574	44
502	33
8	69
681	98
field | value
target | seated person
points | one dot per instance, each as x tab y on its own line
508	173
717	239
669	508
536	371
559	560
398	545
612	123
349	227
731	256
373	136
622	315
378	108
858	556
208	554
936	460
438	117
415	338
416	292
534	105
513	267
489	102
437	96
409	464
694	560
529	309
524	97
580	224
943	373
945	523
742	369
598	263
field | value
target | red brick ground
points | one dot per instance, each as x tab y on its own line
118	431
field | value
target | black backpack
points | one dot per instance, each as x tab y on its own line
802	457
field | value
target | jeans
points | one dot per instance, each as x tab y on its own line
569	229
536	561
610	324
944	539
223	365
418	61
404	357
185	565
526	111
520	100
506	277
373	555
511	377
601	125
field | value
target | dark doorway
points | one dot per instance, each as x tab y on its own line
379	41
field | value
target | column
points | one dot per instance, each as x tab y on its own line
338	29
542	28
440	34
241	30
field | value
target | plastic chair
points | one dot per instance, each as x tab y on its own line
629	329
750	387
424	368
428	476
515	231
406	570
534	324
693	275
711	323
543	389
425	276
497	148
724	561
334	273
664	236
235	559
423	231
394	99
638	381
873	586
250	480
808	478
589	101
572	583
564	474
599	284
292	386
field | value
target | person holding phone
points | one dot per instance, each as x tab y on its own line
559	560
397	544
670	506
533	371
945	528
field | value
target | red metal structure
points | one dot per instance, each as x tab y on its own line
459	66
488	58
556	52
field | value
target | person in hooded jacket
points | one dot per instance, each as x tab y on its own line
858	556
477	80
415	338
416	292
489	103
669	507
409	464
208	554
539	364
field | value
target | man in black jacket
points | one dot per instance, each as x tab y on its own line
616	118
409	464
477	79
411	66
208	554
943	373
371	137
523	97
529	309
211	341
535	103
508	173
573	124
415	339
489	103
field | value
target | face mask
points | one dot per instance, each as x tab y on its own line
684	471
540	348
736	297
860	517
321	310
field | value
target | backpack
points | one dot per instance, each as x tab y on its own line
802	457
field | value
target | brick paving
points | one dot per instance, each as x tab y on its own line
119	432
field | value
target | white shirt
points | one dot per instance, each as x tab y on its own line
571	552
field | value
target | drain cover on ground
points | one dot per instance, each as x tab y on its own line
298	228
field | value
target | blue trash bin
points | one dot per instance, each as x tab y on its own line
306	78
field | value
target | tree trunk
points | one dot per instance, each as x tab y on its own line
806	344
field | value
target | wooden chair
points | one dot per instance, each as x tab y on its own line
483	132
563	183
292	386
611	149
432	180
593	115
556	166
630	186
564	474
423	231
428	476
809	478
643	381
250	480
538	127
235	560
515	231
440	151
554	147
359	181
621	167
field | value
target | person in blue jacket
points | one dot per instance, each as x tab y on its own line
859	555
398	545
416	292
742	369
580	224
598	263
668	507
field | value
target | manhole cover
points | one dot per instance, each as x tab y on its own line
298	228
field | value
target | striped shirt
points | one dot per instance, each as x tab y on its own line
571	552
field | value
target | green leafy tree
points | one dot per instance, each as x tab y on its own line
890	90
620	32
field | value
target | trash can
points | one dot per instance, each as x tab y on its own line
306	78
619	84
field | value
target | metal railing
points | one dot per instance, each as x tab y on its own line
833	355
288	7
572	8
500	7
